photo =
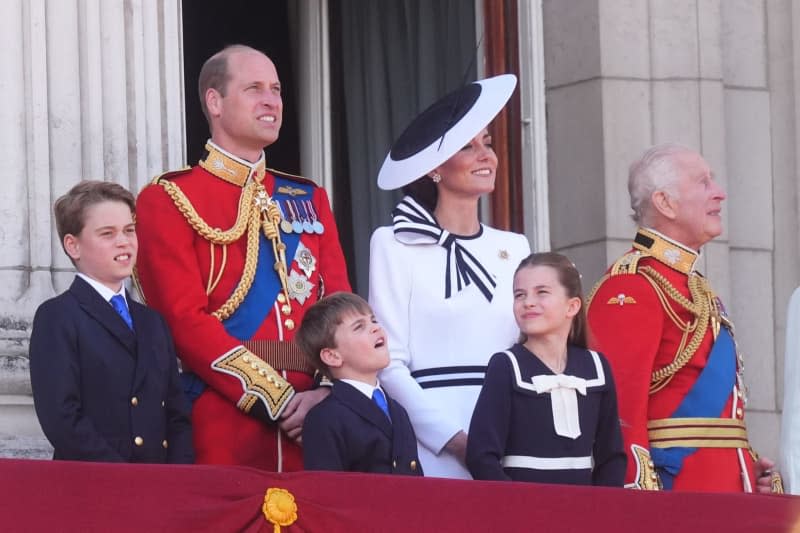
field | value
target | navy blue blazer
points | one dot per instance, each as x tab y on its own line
103	392
347	432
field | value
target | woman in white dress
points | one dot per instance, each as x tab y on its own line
440	281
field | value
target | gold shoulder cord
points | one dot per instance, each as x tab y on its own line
256	212
700	306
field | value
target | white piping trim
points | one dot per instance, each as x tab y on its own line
599	381
547	463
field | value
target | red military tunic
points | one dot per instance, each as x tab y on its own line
644	318
191	264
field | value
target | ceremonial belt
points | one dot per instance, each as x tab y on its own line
281	355
706	399
697	433
547	463
450	376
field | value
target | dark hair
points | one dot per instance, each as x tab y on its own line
70	209
570	279
214	73
317	330
424	191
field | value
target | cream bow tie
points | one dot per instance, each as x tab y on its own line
564	401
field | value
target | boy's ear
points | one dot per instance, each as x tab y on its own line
72	247
331	357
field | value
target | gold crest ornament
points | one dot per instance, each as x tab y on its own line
279	508
621	299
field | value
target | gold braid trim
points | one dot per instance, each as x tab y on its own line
700	306
215	235
254	203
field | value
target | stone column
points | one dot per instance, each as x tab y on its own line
91	89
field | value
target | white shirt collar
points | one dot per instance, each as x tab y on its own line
365	388
104	291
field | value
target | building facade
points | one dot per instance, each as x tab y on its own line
96	89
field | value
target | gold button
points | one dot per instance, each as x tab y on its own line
165	444
394	464
413	465
289	323
740	394
162	403
138	441
286	309
246	358
281	298
254	365
263	372
739	412
651	464
134	401
653	476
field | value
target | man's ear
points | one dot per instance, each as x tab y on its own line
330	357
72	246
664	204
213	102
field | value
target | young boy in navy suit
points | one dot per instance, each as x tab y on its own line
103	367
357	428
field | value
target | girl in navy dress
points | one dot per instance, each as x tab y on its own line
547	411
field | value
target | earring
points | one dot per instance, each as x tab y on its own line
436	177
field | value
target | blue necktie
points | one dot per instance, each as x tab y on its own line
119	305
380	401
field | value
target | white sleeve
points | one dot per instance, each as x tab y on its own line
390	291
790	423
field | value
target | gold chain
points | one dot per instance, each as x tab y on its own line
699	306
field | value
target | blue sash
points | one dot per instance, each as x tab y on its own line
706	399
257	304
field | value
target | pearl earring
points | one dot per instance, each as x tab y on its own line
436	177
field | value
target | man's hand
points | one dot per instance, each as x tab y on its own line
458	446
291	421
764	469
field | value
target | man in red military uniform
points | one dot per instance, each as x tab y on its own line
232	253
669	340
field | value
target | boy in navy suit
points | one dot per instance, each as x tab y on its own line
103	367
357	428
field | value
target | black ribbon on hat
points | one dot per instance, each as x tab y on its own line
413	224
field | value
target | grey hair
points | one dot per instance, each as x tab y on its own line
655	170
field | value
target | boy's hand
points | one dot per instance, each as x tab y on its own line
292	418
458	446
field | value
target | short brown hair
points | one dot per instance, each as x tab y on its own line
570	279
70	209
317	331
214	73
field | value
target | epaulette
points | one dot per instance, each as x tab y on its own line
171	174
294	177
627	264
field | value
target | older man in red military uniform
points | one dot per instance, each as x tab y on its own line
232	253
669	340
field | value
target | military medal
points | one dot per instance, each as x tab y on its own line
305	259
307	227
315	223
286	226
299	287
297	226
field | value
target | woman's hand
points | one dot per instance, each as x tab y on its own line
458	446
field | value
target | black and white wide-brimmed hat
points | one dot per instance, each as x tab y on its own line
443	129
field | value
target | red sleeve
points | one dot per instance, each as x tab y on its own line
626	322
333	268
